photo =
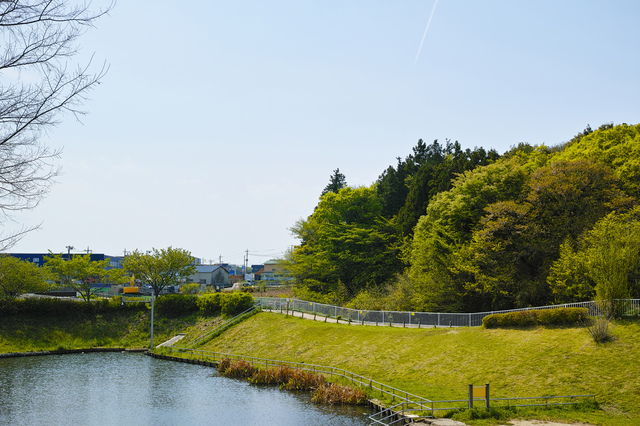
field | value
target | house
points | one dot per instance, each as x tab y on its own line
273	273
215	275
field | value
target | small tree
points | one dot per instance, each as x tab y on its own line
160	268
82	274
614	253
19	276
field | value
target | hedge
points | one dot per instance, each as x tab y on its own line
227	304
45	306
532	317
175	305
235	303
210	304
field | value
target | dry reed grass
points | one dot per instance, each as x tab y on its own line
333	393
294	379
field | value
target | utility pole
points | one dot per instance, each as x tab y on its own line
69	248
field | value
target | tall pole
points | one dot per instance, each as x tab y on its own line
152	298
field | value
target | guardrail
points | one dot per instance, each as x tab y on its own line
220	328
400	412
417	319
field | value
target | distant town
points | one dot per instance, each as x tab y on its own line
215	276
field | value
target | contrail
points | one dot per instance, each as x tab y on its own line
425	30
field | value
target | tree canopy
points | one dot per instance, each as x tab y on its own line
82	274
18	277
478	231
346	243
160	268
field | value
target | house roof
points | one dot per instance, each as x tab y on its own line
204	269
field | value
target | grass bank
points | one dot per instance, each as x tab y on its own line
127	328
440	363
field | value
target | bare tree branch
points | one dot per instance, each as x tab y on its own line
39	39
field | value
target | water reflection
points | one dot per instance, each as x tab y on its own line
134	389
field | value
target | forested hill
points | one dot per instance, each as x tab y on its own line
448	229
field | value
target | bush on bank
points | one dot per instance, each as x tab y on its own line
564	316
175	305
61	308
227	304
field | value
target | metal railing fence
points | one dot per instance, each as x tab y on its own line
398	413
202	338
413	319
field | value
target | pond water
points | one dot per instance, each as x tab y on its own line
135	389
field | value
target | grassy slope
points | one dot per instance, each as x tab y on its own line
129	329
440	363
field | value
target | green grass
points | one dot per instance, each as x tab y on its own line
126	329
434	363
440	363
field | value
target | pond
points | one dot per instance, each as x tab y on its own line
134	389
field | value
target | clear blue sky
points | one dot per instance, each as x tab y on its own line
220	122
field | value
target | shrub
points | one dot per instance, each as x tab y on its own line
190	288
235	303
561	316
174	305
599	330
210	304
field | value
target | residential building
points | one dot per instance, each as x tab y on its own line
215	275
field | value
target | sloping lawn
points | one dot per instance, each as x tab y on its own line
440	363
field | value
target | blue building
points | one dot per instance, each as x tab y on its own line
38	258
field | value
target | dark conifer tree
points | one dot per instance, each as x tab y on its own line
336	183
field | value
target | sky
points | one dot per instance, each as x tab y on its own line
219	123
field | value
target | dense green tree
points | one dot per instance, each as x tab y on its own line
448	225
393	184
19	276
160	268
435	175
515	243
616	146
568	278
82	274
604	263
345	243
337	181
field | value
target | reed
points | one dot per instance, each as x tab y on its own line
239	370
333	393
294	379
302	381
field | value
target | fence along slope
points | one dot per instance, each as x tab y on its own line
434	319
